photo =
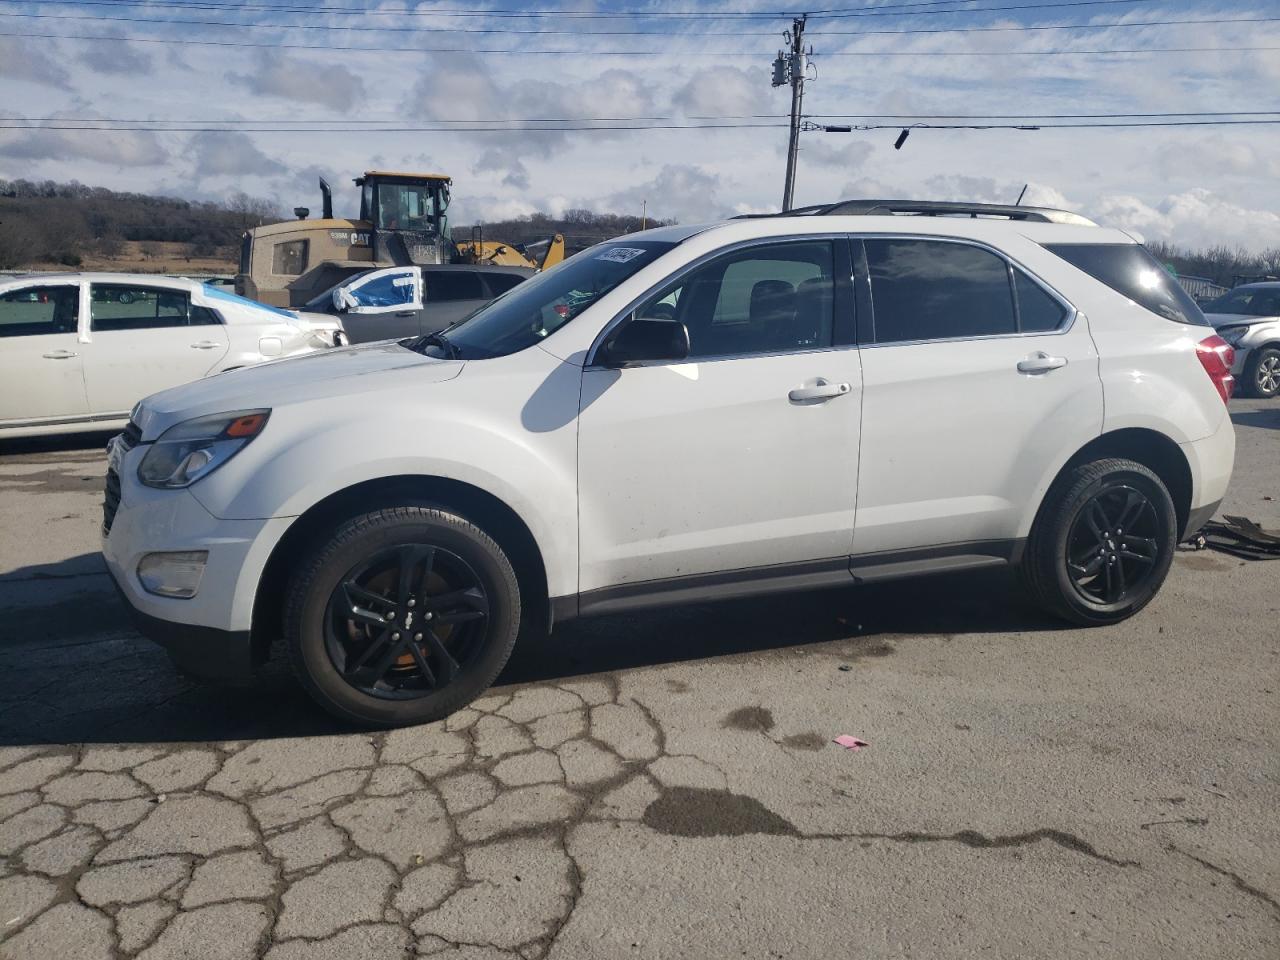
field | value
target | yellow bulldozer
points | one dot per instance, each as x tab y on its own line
403	221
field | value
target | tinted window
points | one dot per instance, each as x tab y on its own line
500	283
766	299
121	307
443	287
1247	302
33	311
1037	311
1131	271
546	302
289	259
933	290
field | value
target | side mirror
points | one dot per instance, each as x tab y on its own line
644	339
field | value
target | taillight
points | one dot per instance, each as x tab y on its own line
1217	358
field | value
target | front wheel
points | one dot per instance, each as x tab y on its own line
1262	374
1102	544
401	616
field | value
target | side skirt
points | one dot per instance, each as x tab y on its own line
788	577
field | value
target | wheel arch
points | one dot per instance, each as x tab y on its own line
1153	450
491	513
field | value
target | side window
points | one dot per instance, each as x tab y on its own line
1037	311
289	259
935	290
443	287
36	311
119	307
768	299
500	283
203	317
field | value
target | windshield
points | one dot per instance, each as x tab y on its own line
1247	302
407	206
546	302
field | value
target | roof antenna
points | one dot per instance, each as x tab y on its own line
1018	202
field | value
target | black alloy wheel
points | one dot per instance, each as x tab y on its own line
1113	546
401	615
1102	542
404	623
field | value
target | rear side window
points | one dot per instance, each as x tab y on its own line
119	307
500	283
936	290
444	287
1131	271
36	311
1037	311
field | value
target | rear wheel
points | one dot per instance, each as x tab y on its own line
1262	373
402	616
1103	543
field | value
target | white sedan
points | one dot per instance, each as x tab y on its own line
78	350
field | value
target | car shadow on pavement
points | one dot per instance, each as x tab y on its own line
77	672
1262	419
62	443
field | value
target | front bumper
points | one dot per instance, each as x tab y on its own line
204	652
208	634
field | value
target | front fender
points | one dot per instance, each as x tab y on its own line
471	432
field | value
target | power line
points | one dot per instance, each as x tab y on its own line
285	123
517	51
895	10
141	128
401	28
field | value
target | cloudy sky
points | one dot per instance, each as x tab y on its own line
452	63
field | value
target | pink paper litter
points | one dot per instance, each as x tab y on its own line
851	743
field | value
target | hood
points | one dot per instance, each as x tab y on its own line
1220	320
340	372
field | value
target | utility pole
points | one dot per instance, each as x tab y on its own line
791	67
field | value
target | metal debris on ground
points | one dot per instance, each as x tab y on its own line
1238	537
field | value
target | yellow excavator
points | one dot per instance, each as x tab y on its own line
403	221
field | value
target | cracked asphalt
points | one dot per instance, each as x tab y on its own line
656	786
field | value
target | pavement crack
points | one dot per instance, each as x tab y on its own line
1240	883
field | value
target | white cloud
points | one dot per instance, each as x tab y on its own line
111	148
22	60
302	81
229	155
1197	218
120	57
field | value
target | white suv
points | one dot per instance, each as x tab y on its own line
766	404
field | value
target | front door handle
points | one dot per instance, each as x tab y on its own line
59	355
1040	362
205	345
819	392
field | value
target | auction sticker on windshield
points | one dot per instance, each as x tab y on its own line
620	254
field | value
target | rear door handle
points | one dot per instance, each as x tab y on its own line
59	355
205	345
820	391
1040	362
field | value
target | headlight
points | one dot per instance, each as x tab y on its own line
1233	335
194	449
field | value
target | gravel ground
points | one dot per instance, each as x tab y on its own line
660	785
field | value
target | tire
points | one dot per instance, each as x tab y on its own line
347	614
1090	591
125	296
1262	373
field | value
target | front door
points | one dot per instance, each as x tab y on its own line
976	378
746	455
41	361
146	339
382	305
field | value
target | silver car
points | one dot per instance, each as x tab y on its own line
1248	318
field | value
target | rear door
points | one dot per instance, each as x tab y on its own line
976	377
143	339
450	296
41	357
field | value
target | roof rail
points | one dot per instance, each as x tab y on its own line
938	208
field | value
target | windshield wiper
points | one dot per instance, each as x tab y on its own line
450	349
